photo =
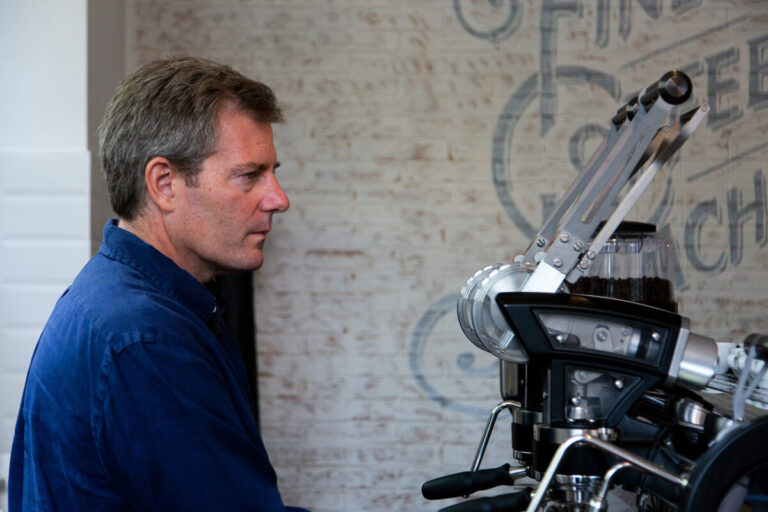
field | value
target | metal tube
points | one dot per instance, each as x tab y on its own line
506	404
606	486
629	457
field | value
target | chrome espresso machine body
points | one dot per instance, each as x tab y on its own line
605	382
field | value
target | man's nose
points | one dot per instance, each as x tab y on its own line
276	200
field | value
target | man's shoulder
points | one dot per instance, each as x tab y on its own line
111	300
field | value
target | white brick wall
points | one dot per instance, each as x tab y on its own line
395	110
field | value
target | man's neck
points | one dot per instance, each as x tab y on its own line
153	231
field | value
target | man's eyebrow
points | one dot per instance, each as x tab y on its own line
252	167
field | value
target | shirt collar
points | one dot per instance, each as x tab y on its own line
127	248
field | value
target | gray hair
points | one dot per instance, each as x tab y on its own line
170	108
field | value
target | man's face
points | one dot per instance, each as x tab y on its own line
221	222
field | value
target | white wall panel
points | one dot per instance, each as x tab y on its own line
44	180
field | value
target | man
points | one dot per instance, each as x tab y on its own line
136	397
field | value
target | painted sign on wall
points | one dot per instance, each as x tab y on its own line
592	57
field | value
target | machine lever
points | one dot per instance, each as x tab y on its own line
512	502
467	482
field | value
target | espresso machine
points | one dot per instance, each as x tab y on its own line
605	383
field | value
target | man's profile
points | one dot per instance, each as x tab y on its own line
136	396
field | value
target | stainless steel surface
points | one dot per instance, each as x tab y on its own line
526	417
598	502
515	473
576	489
720	392
545	278
677	356
558	435
482	320
689	414
676	86
699	362
509	379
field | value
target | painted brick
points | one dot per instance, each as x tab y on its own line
396	113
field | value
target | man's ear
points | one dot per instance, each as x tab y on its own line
159	176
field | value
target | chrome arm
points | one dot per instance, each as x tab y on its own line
507	404
669	141
637	133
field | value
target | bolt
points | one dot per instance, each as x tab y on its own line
578	246
565	237
541	242
618	383
591	255
558	262
655	336
575	400
584	264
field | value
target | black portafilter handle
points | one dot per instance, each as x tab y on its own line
466	482
512	502
675	87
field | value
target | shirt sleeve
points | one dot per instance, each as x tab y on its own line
171	436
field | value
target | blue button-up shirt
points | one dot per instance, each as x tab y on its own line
136	398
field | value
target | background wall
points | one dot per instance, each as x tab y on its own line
44	181
426	140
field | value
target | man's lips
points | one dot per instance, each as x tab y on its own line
259	234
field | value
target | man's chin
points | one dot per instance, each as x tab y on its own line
251	264
244	265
